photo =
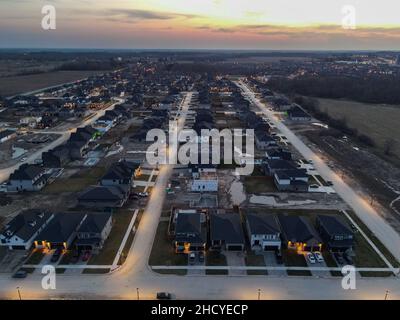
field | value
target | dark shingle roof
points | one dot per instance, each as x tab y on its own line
26	172
101	193
61	227
26	223
226	227
262	224
334	225
95	222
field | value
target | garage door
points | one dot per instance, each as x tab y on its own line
234	248
270	248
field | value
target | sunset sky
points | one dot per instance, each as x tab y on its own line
201	24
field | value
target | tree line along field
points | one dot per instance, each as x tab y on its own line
378	121
14	85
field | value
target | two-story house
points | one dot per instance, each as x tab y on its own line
263	231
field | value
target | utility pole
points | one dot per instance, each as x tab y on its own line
137	293
386	294
259	294
19	294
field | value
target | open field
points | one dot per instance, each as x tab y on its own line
20	84
380	122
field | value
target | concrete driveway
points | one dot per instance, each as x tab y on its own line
234	258
270	261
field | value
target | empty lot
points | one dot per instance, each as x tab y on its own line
380	122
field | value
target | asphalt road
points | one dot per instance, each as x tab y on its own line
360	204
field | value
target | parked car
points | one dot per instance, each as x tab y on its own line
201	256
192	258
24	159
319	256
143	194
311	258
56	256
86	256
163	296
20	274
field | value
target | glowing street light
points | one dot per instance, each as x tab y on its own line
19	294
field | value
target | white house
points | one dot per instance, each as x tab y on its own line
21	232
264	232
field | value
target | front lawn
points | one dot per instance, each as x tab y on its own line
254	260
293	259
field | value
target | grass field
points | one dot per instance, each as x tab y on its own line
20	84
380	122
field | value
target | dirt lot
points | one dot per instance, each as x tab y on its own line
380	122
20	84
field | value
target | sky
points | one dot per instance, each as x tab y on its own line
203	24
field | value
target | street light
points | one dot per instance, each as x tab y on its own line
137	293
19	294
259	294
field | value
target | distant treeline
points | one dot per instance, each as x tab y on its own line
89	65
373	89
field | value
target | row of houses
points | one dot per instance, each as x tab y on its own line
38	228
197	230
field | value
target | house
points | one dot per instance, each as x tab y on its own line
263	231
21	231
335	232
30	122
190	232
119	173
226	232
296	113
207	181
77	149
104	197
61	231
94	230
56	158
6	135
298	234
27	177
264	141
271	166
278	154
295	180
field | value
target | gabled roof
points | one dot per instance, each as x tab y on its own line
262	224
95	223
226	227
334	225
188	227
297	229
277	164
26	223
61	227
292	174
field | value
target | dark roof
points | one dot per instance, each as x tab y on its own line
277	164
6	133
262	224
120	170
27	172
297	229
26	223
102	193
226	227
61	227
292	174
188	227
95	222
334	225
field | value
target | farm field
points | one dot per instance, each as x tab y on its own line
379	122
20	84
